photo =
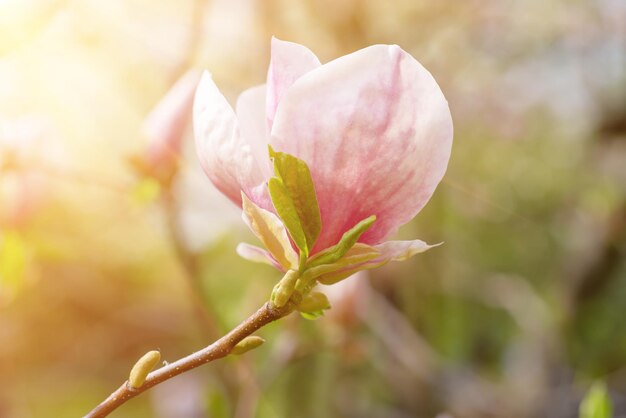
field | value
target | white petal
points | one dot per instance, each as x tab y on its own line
225	156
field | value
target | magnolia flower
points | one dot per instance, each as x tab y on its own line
372	127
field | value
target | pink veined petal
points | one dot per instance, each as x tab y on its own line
376	132
253	127
224	155
289	62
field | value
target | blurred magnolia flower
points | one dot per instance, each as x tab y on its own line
164	129
201	217
165	165
370	130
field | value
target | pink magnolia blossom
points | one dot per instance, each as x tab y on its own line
373	127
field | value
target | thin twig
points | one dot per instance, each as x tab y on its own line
219	349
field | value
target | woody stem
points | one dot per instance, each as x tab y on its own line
221	348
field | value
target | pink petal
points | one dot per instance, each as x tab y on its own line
165	126
376	131
401	250
288	63
224	155
257	255
252	125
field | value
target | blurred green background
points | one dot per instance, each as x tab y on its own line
515	316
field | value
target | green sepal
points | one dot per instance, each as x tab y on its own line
293	188
313	306
347	241
314	302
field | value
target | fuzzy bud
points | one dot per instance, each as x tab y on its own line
247	344
283	291
140	370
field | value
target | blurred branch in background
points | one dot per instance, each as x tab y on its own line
606	263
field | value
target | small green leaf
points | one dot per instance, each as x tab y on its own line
298	184
312	316
596	403
357	255
347	241
337	276
286	210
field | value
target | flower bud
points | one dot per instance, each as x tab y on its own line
140	370
247	344
283	291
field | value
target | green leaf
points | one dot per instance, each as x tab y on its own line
337	276
312	316
359	253
347	241
596	403
298	184
286	210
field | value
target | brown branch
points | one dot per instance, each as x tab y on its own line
219	349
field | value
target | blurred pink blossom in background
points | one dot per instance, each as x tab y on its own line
164	128
29	152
